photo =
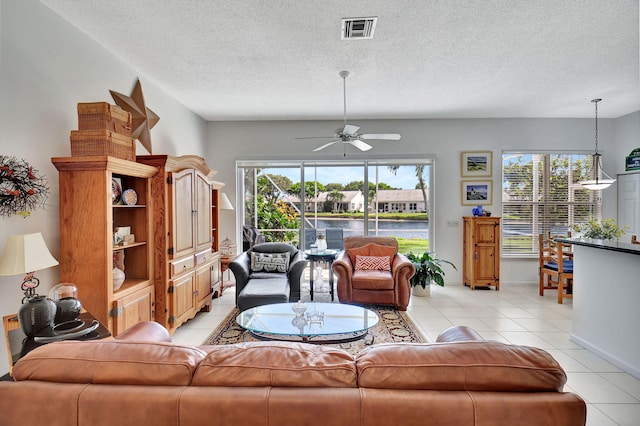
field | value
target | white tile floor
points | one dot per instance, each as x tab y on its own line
515	314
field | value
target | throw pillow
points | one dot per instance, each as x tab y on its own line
269	262
358	251
372	263
372	249
380	250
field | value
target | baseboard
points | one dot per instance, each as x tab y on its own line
605	355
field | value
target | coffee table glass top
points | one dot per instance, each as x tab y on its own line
321	254
335	320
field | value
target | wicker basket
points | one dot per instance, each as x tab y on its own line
102	142
104	116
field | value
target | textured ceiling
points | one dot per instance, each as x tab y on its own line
279	59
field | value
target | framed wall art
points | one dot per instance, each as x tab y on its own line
476	163
476	192
116	190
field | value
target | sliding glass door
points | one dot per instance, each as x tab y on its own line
297	201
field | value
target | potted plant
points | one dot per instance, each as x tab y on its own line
428	270
605	229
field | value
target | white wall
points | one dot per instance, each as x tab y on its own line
46	67
230	141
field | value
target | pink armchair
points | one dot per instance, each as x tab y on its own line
364	276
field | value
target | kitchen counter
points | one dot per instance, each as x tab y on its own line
603	244
606	301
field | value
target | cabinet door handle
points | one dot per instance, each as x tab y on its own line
475	255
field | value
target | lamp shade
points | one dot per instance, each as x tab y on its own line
25	253
597	185
225	203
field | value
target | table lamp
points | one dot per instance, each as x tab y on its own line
225	203
226	247
25	254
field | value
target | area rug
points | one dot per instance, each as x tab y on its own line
393	326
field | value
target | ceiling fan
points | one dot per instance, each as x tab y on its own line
348	134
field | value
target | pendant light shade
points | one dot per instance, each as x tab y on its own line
598	178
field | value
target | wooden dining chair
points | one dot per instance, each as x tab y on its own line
555	267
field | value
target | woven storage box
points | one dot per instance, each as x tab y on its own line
102	142
104	116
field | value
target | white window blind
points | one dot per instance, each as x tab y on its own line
541	194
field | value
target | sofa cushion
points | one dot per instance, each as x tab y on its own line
372	280
270	262
372	249
276	364
372	263
110	362
469	366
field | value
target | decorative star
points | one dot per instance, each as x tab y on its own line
142	118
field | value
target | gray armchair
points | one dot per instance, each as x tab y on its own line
262	284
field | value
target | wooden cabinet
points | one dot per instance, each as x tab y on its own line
215	231
481	252
186	267
134	308
88	219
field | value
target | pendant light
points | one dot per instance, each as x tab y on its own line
599	179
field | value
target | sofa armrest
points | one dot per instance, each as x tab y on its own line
402	269
240	266
145	331
459	333
402	265
297	266
343	269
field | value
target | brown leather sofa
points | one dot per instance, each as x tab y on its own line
373	286
143	379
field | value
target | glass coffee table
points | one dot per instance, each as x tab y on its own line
308	322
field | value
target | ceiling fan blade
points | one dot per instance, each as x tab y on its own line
362	146
317	137
325	145
381	136
350	129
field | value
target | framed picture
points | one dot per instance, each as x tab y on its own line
476	192
116	190
476	163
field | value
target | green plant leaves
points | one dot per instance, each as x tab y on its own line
428	269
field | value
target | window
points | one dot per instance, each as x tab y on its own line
541	194
284	199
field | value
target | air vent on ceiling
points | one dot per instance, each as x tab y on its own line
358	28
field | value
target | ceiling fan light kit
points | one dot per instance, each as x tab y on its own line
348	134
599	179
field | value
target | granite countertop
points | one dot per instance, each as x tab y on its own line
603	244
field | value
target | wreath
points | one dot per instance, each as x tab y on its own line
21	189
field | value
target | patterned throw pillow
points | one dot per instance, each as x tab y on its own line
270	262
375	263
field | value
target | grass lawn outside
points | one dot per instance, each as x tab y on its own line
414	245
